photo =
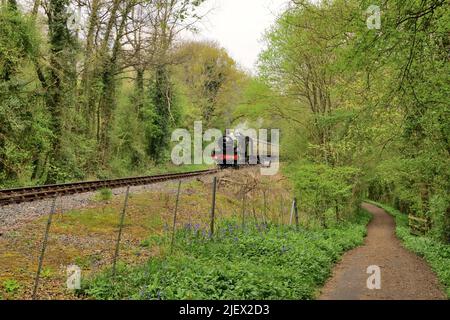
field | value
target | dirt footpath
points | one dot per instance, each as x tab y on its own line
404	276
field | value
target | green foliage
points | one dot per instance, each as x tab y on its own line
211	83
67	112
11	286
24	124
434	252
413	65
373	100
47	273
164	116
440	217
104	194
18	41
322	189
416	186
260	262
128	136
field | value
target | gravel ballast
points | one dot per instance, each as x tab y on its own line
15	215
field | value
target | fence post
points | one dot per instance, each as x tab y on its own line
292	212
254	215
61	208
265	207
119	237
175	217
297	224
281	210
44	246
244	197
213	207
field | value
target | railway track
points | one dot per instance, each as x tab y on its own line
29	194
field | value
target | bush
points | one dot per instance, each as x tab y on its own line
324	191
416	186
440	218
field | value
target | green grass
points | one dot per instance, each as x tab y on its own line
104	194
11	286
258	262
434	252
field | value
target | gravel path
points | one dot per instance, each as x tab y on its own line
404	276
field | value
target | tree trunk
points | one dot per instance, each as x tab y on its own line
107	101
87	95
36	5
60	81
139	91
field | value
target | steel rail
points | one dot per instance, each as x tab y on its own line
29	194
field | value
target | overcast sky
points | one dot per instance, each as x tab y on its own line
239	25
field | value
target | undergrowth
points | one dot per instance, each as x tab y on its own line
255	262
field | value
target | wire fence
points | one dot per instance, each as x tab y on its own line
82	243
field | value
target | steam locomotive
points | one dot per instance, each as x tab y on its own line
235	150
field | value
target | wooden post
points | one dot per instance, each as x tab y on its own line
61	208
292	212
244	197
175	217
281	210
44	246
265	207
119	237
297	224
213	206
254	215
